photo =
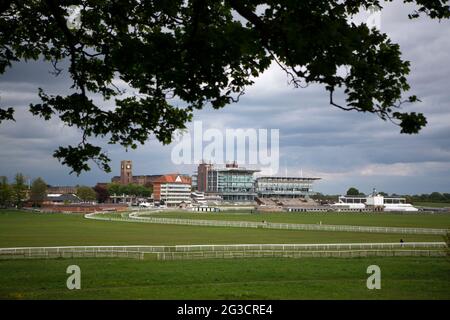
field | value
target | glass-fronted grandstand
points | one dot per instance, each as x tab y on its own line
231	183
284	187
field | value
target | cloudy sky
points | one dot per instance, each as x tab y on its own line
343	148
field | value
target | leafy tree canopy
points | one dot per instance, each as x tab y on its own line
19	189
5	192
202	53
129	190
86	193
38	191
102	193
353	192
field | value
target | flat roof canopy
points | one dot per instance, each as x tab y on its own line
286	178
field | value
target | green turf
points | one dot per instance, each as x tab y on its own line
359	219
432	204
325	278
34	229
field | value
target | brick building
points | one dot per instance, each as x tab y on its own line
172	189
126	176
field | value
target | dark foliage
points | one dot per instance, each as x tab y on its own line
199	53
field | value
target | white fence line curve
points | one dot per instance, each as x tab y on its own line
135	217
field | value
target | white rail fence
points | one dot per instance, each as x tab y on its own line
231	251
134	217
297	254
53	253
307	247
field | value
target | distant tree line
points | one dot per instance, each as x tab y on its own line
129	190
132	190
86	194
16	193
38	192
432	197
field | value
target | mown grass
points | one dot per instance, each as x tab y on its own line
432	204
19	229
309	278
414	220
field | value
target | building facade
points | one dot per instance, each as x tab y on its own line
284	187
126	172
194	182
126	176
172	190
373	202
232	183
202	176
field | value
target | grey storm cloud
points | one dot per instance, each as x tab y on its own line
343	148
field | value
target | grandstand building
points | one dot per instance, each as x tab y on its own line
231	183
172	190
284	193
284	187
373	202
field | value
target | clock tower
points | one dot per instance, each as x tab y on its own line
126	173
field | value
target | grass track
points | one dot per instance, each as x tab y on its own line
432	204
402	278
357	219
308	278
19	229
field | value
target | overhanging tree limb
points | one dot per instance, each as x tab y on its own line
197	52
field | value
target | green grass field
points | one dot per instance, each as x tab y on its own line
326	278
308	278
432	204
32	229
357	219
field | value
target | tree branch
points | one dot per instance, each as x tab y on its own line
250	16
336	105
5	5
58	14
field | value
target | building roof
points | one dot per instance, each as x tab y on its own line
242	170
63	197
363	196
61	189
229	167
174	178
148	176
287	178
